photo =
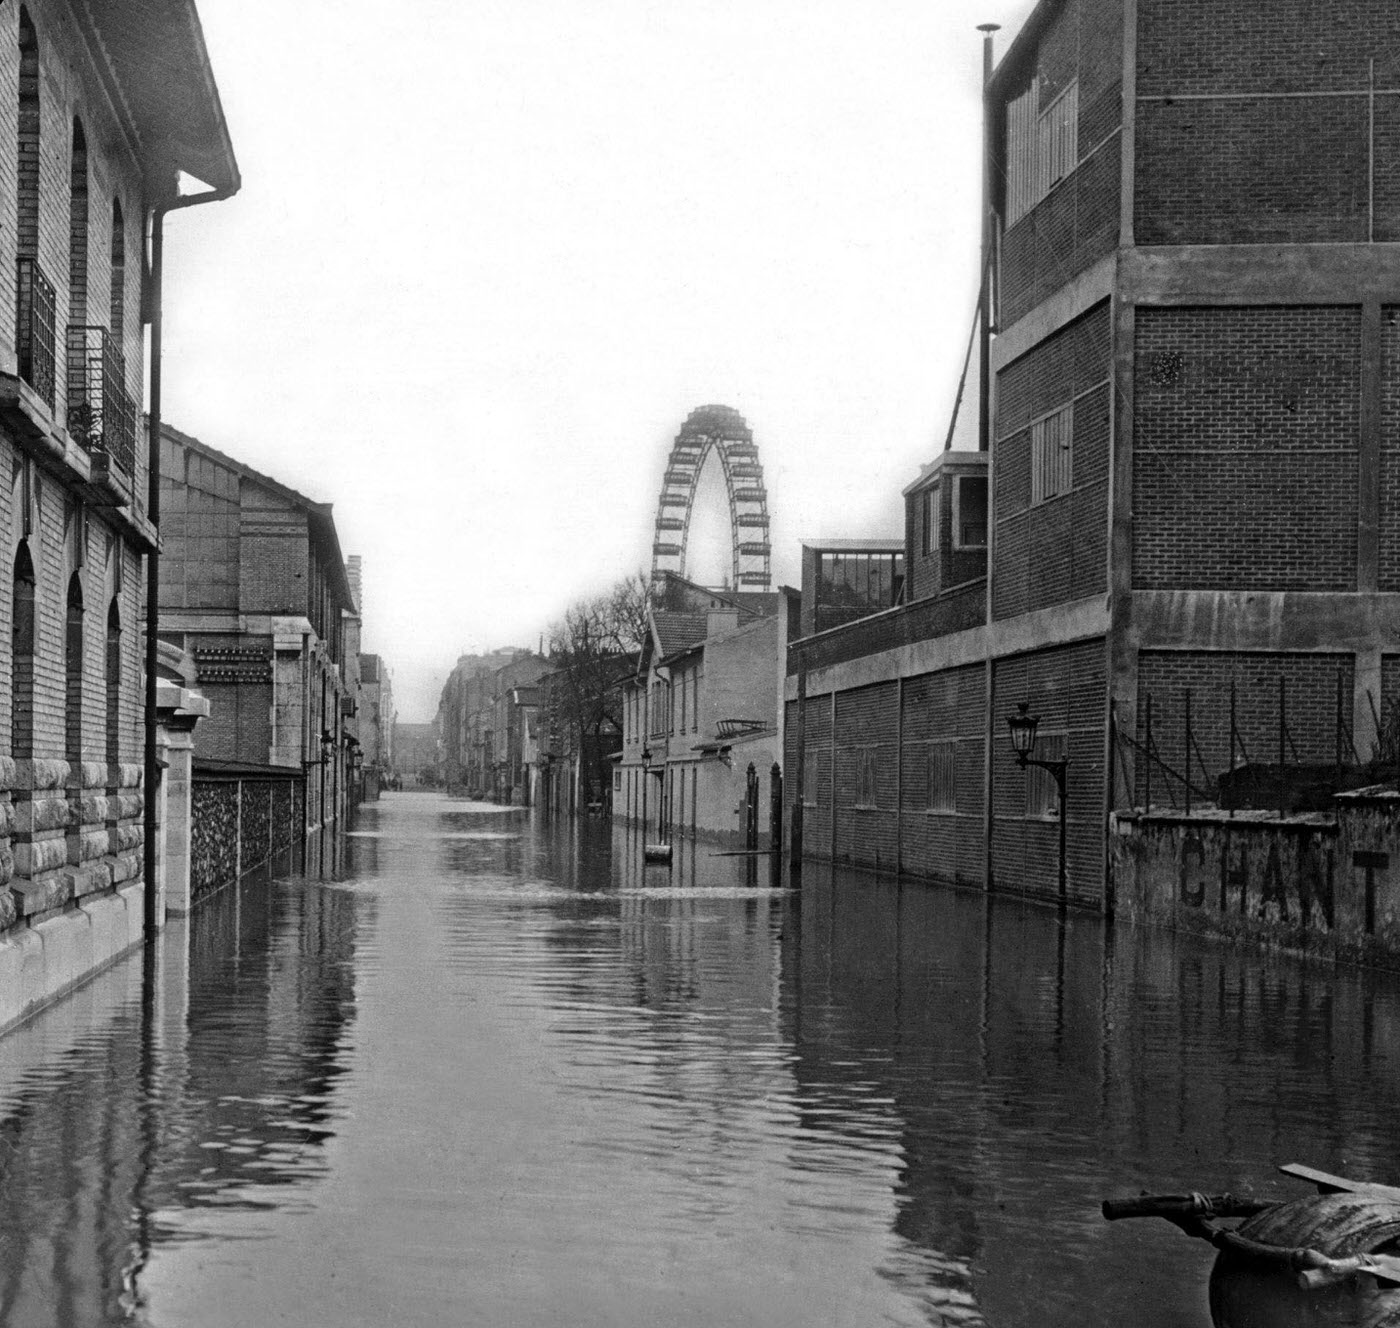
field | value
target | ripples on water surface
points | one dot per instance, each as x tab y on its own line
499	1074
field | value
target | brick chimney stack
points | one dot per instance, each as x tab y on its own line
352	573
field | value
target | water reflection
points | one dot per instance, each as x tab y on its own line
170	1085
493	1071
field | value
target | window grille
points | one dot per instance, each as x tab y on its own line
1042	147
942	777
1042	793
866	781
1051	455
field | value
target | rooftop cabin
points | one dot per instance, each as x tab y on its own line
945	525
844	580
860	596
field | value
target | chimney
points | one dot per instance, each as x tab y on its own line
352	574
721	620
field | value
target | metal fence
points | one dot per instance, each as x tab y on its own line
1187	755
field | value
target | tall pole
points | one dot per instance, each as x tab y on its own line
150	911
984	357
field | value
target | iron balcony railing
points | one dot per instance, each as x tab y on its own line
101	413
36	318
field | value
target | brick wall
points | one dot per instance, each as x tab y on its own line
1220	160
99	579
1067	688
944	566
1245	440
1077	222
817	787
867	720
944	845
1310	680
199	530
955	611
1056	550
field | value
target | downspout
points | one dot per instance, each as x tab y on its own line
984	358
148	822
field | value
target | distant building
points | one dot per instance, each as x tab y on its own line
415	753
376	725
104	106
254	587
705	704
1194	445
484	727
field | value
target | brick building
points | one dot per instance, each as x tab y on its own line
102	108
254	587
1194	445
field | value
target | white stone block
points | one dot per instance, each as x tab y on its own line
33	981
11	976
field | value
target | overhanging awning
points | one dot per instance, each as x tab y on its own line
157	71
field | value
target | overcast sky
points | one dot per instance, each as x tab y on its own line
489	255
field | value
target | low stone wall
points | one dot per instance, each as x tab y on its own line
1318	883
238	825
71	898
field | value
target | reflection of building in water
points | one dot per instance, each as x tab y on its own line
1033	1069
224	1089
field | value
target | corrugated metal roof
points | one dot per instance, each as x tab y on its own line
156	66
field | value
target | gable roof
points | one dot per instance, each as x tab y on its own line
318	515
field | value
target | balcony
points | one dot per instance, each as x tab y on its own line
36	316
101	414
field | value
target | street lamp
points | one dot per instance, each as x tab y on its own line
1023	727
646	779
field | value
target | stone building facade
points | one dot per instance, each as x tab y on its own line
254	587
99	111
705	704
1193	447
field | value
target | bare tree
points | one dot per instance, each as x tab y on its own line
593	648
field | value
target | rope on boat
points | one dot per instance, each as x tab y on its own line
1193	1213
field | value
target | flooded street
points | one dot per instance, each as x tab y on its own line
499	1074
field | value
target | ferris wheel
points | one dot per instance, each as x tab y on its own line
723	429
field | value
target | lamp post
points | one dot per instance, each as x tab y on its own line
646	779
1023	726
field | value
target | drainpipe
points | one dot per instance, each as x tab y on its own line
984	360
153	556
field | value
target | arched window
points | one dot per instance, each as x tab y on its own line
73	675
114	683
116	320
22	645
78	229
27	195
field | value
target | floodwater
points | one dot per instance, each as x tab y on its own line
500	1074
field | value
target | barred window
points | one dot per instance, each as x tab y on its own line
1052	454
1042	146
1042	793
865	777
942	777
